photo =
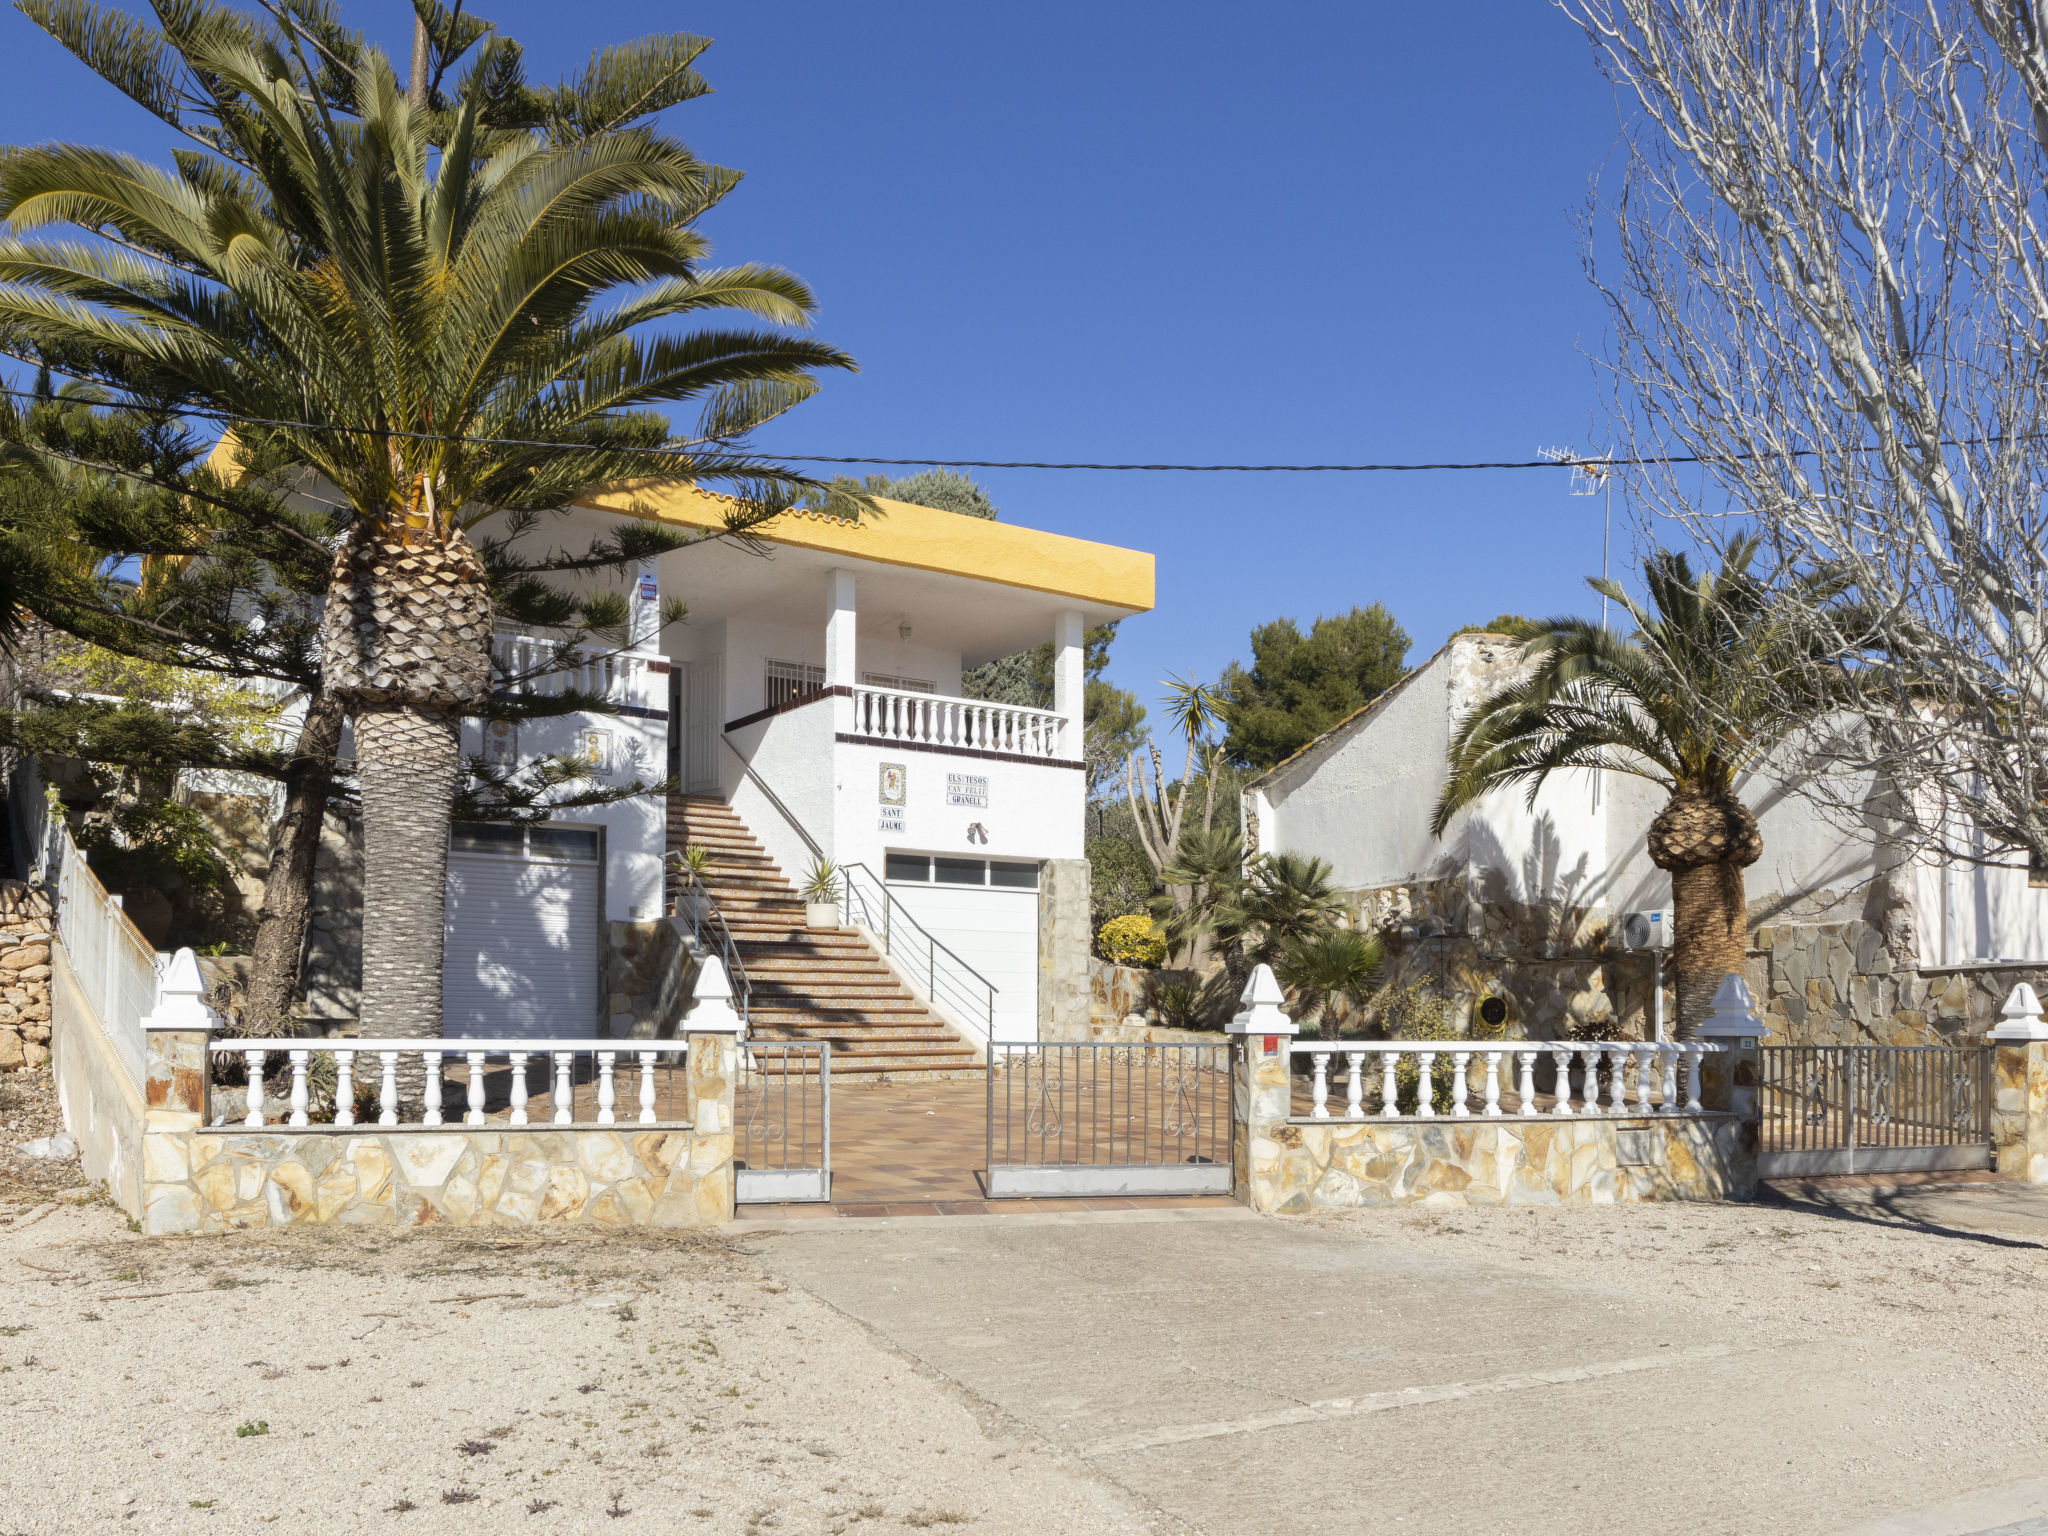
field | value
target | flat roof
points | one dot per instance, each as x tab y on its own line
918	538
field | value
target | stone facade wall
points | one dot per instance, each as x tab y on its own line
24	976
197	1179
1118	992
648	978
1820	978
1550	961
1064	937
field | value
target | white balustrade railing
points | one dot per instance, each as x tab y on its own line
1447	1069
940	720
535	664
565	1066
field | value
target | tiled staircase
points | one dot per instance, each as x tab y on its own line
806	983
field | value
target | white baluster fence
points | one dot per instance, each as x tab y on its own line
535	664
940	720
1497	1079
500	1082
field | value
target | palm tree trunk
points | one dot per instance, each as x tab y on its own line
408	760
1706	840
295	846
1708	936
406	643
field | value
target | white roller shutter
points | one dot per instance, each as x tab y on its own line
992	929
522	930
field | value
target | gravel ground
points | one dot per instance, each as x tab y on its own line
365	1380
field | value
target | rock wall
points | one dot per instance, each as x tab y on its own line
1119	992
1838	982
648	978
24	976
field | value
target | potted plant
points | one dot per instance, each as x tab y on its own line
821	894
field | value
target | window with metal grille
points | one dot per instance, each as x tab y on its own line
783	681
905	684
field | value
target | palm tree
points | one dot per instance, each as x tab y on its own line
1204	900
1690	701
1290	896
421	300
1327	967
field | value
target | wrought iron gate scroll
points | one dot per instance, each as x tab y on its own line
1104	1118
782	1131
1828	1109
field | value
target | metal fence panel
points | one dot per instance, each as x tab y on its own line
1873	1109
1101	1118
783	1118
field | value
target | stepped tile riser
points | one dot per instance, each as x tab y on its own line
812	984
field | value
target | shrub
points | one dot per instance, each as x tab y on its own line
1131	940
1119	878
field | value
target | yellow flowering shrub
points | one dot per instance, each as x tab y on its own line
1131	940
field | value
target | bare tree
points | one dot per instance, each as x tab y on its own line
1826	266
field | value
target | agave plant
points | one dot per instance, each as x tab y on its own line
422	300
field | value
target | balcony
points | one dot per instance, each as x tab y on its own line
886	716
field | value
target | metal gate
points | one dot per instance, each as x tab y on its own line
782	1111
1109	1119
1873	1108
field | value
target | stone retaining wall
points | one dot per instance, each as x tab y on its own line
24	976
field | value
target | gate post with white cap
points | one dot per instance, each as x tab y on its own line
1729	1076
1262	1090
2019	1109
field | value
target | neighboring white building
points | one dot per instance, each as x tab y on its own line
1522	900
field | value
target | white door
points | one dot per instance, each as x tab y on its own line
985	912
522	957
706	690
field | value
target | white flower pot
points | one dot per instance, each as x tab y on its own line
821	914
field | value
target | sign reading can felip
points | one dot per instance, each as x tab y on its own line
970	789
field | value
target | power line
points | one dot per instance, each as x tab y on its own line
949	462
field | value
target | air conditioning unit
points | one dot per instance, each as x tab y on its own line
1646	930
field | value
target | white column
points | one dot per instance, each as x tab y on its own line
1069	655
643	606
841	668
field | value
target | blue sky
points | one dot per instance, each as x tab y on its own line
1153	232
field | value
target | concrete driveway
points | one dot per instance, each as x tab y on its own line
1642	1369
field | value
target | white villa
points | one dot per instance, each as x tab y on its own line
1524	902
810	705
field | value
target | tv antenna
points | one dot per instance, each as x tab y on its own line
1592	477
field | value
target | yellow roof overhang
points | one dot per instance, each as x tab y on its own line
920	538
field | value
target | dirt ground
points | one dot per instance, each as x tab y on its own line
799	1379
357	1380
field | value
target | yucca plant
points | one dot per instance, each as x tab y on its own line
420	298
1690	701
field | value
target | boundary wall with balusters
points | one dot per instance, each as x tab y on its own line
413	1133
1529	1122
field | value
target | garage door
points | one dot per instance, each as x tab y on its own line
524	904
986	912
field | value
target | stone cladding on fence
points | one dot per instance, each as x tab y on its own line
200	1178
1288	1167
24	976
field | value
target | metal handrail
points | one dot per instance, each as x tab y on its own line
962	994
774	799
704	917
